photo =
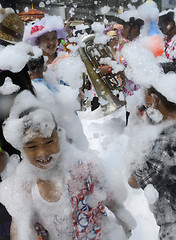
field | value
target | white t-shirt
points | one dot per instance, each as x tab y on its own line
55	217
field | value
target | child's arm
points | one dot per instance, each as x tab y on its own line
13	231
123	216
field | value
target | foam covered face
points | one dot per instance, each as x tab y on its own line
40	150
126	30
48	42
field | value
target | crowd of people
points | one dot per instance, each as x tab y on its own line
53	186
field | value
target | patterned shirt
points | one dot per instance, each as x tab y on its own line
87	220
160	170
170	48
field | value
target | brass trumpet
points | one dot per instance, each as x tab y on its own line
91	54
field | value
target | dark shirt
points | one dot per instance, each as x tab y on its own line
159	170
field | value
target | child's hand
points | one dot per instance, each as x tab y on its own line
105	69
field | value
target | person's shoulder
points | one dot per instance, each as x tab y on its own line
168	130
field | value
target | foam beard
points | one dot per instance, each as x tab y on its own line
51	162
52	169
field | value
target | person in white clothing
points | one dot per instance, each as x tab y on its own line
57	185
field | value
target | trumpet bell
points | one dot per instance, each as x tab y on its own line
91	54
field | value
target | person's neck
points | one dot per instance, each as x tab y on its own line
36	75
50	57
49	191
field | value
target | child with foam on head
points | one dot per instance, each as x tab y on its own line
59	186
155	173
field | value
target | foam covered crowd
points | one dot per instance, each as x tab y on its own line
87	126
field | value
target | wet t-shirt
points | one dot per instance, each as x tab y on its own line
56	217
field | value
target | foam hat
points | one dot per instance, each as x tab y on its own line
45	25
112	33
114	30
11	26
